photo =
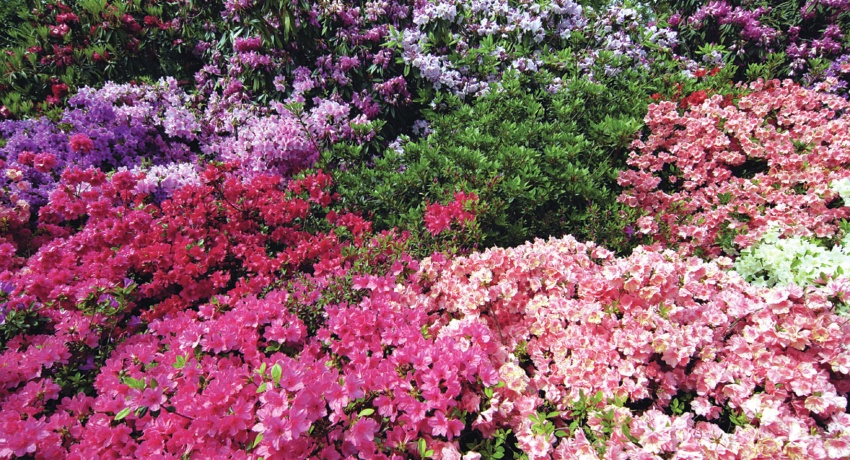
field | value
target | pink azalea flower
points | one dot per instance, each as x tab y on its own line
362	432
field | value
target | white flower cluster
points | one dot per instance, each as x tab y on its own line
774	261
842	188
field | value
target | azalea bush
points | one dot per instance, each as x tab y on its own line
73	310
713	179
773	260
381	66
649	356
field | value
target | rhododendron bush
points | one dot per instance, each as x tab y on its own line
786	38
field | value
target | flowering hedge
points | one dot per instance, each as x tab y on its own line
559	348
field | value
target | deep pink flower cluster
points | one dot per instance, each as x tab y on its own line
238	358
439	217
716	176
80	143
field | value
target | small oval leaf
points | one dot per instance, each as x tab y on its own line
277	371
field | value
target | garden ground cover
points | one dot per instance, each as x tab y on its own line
434	229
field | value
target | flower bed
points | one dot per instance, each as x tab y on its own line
285	258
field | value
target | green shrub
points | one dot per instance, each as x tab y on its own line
9	17
542	163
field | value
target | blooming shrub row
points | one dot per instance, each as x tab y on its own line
161	131
552	349
358	56
342	74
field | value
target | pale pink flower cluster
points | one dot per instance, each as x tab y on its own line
572	320
720	172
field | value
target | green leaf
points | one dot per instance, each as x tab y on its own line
134	383
277	371
626	427
123	414
366	412
180	362
257	440
262	387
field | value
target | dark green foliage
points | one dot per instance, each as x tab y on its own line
9	17
108	42
20	321
542	164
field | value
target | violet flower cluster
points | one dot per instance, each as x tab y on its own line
117	126
750	35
